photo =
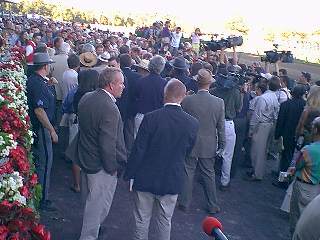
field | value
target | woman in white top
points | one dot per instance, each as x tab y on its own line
195	40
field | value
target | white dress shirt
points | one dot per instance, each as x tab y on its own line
110	95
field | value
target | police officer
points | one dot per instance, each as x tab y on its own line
41	111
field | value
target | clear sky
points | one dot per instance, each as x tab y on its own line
301	15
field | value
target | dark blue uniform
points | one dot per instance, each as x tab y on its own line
40	95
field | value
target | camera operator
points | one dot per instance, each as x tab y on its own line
284	73
228	90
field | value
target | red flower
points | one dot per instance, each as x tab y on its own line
27	212
17	226
15	236
3	232
5	206
6	168
25	191
33	179
39	231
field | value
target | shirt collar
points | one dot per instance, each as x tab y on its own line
110	95
172	104
203	90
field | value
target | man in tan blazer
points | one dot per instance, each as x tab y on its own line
100	149
209	110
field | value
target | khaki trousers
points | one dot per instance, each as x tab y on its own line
99	195
259	144
302	195
163	206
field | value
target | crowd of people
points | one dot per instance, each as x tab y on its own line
151	110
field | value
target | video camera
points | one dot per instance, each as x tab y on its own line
273	56
223	43
232	77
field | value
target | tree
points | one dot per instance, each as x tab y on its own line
270	36
238	25
118	20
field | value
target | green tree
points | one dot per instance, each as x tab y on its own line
238	25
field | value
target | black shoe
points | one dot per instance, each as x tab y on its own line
282	185
251	178
48	206
183	208
213	211
223	188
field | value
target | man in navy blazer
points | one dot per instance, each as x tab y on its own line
156	163
129	103
149	91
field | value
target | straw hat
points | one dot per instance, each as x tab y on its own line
143	64
88	59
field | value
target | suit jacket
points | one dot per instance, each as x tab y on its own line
150	93
100	141
156	163
288	119
129	95
209	110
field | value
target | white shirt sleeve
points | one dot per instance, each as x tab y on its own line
29	50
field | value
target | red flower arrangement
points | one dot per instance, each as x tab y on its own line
17	220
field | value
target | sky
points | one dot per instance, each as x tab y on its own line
269	14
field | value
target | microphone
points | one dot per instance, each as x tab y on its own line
212	227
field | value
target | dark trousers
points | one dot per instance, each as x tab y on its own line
43	158
128	132
58	113
206	170
241	127
286	155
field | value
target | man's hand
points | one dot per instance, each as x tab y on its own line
291	170
54	136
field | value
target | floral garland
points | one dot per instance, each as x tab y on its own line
19	192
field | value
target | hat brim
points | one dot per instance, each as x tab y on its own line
41	63
88	64
177	67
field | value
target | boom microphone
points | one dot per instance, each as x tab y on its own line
212	227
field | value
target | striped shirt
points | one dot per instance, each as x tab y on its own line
308	163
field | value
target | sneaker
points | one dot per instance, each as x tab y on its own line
48	206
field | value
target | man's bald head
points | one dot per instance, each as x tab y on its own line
174	91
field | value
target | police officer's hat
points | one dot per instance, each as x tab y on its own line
41	59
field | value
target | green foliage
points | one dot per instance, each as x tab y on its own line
238	25
37	196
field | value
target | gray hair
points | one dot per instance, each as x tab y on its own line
87	47
156	64
107	76
65	48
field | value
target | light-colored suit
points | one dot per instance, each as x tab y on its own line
209	110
